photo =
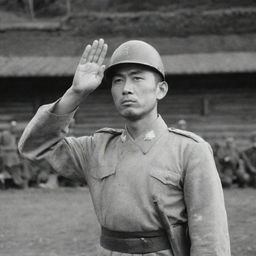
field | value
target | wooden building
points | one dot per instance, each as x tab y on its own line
214	92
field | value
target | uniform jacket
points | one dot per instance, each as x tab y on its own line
8	146
249	157
124	174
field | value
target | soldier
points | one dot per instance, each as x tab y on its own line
182	124
249	157
231	165
11	161
155	189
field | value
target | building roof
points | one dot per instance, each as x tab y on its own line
207	63
201	63
37	66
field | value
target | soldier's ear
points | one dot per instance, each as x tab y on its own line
162	89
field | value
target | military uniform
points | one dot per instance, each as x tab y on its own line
124	175
229	162
249	157
10	157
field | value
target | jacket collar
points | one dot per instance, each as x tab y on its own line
146	140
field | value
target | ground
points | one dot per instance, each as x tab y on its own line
61	222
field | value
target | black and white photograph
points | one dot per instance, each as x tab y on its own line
127	128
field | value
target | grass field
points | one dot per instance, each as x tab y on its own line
61	222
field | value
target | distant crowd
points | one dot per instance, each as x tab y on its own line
236	167
19	172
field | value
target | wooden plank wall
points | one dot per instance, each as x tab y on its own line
212	107
226	114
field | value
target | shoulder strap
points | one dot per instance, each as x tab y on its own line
187	134
110	131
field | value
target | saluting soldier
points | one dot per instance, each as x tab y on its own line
155	189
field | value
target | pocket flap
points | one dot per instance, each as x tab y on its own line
166	177
101	172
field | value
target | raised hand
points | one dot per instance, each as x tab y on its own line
90	71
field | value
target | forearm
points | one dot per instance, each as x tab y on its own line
69	101
50	124
44	138
43	131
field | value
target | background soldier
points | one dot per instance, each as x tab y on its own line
231	165
249	157
182	124
155	190
11	161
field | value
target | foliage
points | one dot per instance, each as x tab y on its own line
166	24
58	7
45	7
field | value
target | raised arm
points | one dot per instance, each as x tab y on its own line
44	138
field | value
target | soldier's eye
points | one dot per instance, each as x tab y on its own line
117	80
137	78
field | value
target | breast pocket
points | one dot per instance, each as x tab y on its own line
162	180
102	172
101	180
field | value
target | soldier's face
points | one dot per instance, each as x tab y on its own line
135	91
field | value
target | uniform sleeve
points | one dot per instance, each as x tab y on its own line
44	138
207	219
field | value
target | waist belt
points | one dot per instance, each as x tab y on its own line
134	242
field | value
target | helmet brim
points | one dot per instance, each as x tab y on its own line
110	71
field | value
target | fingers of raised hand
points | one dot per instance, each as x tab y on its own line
93	50
94	53
85	55
102	54
98	51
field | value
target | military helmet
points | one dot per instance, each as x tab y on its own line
136	52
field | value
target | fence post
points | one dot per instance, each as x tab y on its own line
31	9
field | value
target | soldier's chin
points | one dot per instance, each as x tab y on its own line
130	115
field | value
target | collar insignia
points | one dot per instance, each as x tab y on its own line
150	136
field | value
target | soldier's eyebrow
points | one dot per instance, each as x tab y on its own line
130	72
136	72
